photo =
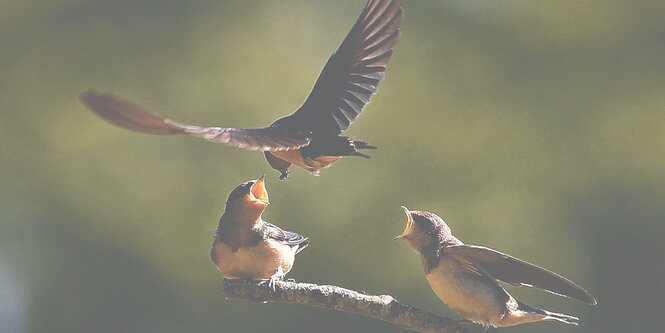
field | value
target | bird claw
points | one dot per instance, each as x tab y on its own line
272	282
284	175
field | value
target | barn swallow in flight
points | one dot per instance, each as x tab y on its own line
246	246
310	137
465	276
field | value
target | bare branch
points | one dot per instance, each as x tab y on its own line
382	307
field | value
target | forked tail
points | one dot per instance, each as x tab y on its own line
335	146
549	316
360	145
560	317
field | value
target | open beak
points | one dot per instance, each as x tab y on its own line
409	222
258	192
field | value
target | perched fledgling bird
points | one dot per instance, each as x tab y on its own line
310	137
245	246
465	276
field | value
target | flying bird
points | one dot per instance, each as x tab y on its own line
465	276
247	247
310	137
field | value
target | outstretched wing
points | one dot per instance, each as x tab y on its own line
519	272
352	74
131	116
291	238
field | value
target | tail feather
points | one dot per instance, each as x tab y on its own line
302	246
562	318
335	146
362	145
129	115
549	316
361	155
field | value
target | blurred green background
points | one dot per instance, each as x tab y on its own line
536	128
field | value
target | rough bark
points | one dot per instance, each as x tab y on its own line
382	307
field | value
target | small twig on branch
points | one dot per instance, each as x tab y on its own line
382	307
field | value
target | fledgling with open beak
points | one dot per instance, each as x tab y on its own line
465	276
245	246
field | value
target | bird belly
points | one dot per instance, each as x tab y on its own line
262	261
468	296
310	164
321	161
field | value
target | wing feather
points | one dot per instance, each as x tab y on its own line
519	272
352	74
131	116
289	237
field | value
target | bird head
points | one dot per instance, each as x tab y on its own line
249	198
424	229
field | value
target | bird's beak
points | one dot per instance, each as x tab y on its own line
258	192
409	222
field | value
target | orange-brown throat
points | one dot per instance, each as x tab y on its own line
246	207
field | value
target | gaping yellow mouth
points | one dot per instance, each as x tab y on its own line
409	223
258	192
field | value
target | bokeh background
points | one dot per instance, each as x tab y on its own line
536	128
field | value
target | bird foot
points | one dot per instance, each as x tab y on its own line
284	175
486	326
272	282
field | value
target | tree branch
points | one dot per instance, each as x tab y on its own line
382	307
